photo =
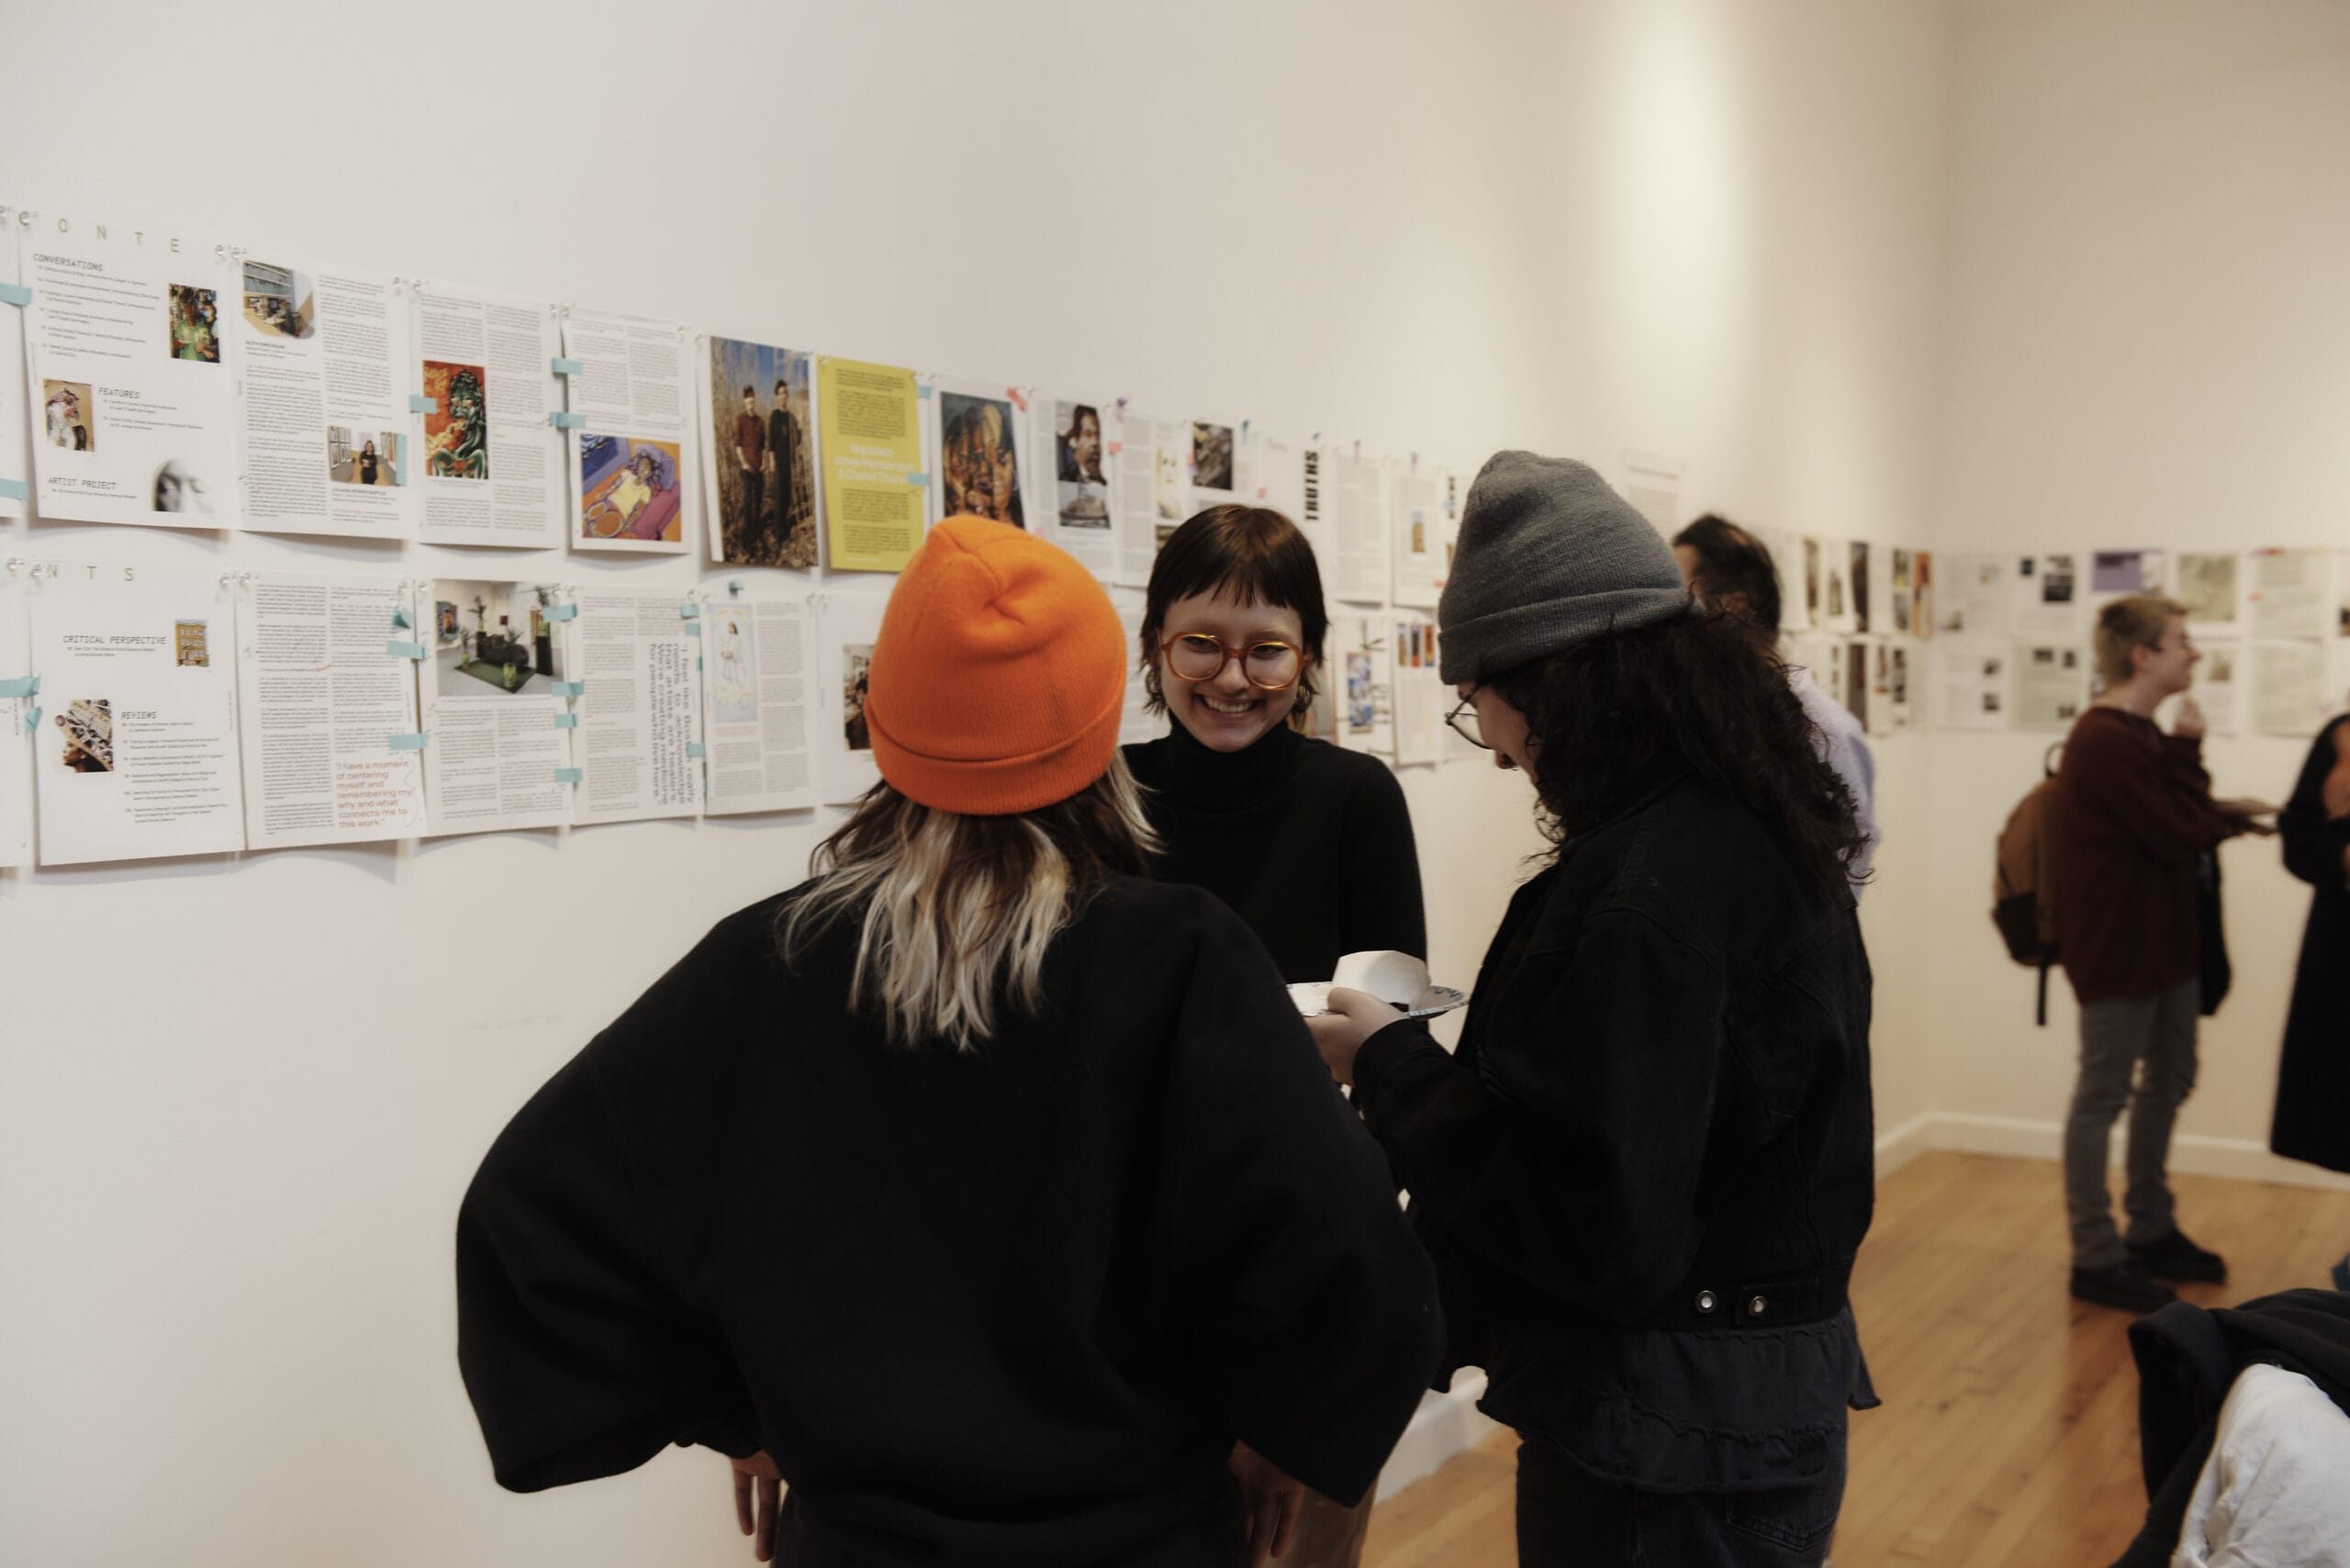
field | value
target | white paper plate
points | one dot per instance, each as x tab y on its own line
1312	998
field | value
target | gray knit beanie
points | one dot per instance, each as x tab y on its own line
1548	557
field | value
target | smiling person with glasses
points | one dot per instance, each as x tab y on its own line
1645	1172
1310	844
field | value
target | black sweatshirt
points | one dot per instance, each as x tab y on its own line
1311	843
1645	1172
1009	1306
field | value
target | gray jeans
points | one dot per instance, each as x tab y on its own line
2154	1037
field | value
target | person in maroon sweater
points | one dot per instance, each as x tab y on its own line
751	447
2129	818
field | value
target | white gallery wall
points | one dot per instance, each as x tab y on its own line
2149	345
239	1097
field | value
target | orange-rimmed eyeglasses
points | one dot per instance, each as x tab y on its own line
1198	656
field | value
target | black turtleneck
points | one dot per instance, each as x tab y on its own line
1312	845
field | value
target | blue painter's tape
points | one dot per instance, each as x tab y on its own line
922	389
417	403
566	721
400	650
693	628
570	688
405	743
733	585
21	686
689	609
562	611
401	616
16	489
562	366
917	478
695	748
569	775
15	294
568	422
33	720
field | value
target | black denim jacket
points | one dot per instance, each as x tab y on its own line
1645	1173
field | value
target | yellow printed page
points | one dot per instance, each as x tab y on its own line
869	424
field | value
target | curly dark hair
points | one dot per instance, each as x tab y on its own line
1695	689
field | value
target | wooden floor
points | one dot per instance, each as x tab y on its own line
2009	1435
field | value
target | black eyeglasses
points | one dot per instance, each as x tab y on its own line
1463	721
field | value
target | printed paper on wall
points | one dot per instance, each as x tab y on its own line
136	752
873	499
332	743
758	459
760	703
492	465
634	479
491	694
131	359
323	428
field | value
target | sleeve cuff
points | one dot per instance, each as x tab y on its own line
1378	1054
735	1435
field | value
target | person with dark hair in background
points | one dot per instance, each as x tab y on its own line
1731	573
1646	1171
1312	845
980	1190
2313	1116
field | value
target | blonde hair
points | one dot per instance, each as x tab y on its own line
955	913
2137	621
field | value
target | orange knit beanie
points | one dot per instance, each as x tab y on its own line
999	674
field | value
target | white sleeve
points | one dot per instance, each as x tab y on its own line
2271	1493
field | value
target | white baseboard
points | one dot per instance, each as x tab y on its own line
2195	1154
1445	1424
1898	1146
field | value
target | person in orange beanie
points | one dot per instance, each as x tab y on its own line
999	678
982	1189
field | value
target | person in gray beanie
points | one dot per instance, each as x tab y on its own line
1548	556
1644	1174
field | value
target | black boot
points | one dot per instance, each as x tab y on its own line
2124	1285
2175	1257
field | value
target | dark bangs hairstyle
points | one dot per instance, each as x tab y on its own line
1251	553
1735	571
1605	716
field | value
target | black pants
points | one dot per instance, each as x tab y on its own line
1568	1518
754	515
